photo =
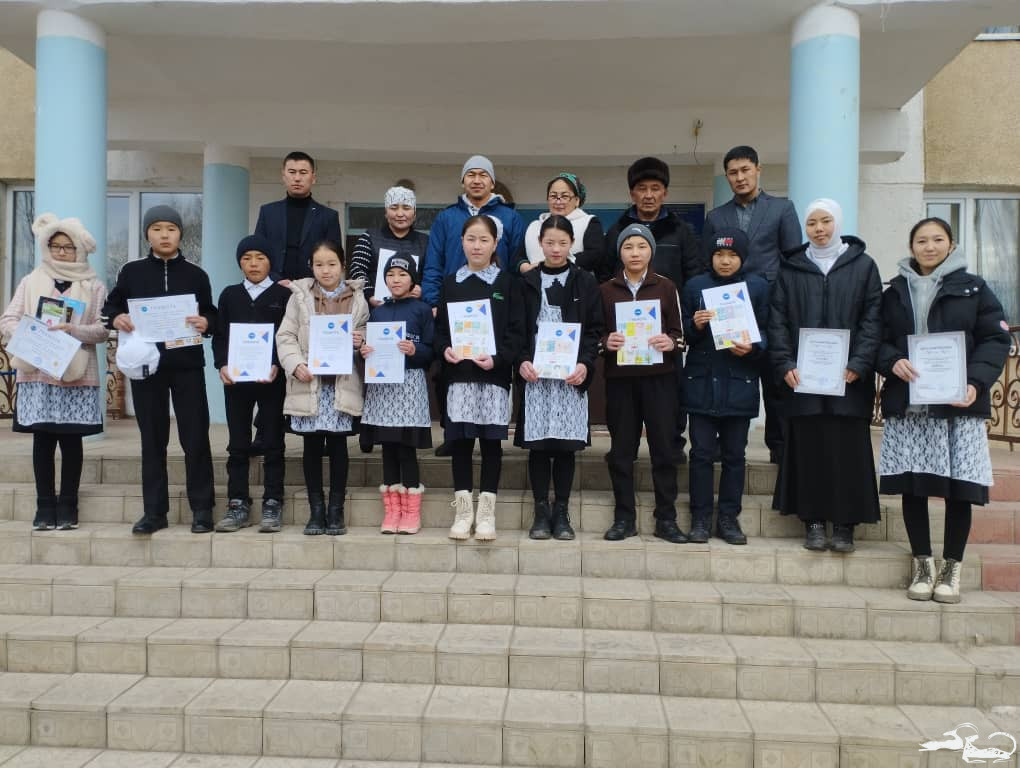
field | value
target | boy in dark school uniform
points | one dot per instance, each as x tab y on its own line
256	299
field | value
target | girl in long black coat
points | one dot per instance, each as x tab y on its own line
938	450
828	468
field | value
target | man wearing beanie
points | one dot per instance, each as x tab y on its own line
396	237
445	254
166	272
772	227
677	253
293	226
256	299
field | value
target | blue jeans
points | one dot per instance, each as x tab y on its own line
728	434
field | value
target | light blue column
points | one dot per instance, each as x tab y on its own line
225	201
70	124
825	84
721	192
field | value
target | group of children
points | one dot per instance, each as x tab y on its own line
721	384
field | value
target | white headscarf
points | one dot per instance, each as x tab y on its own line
824	257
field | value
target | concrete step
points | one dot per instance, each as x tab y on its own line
71	720
498	655
591	511
571	602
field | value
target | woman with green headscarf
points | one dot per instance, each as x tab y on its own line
565	195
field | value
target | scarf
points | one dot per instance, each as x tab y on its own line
924	287
825	256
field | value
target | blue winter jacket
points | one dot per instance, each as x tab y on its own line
420	327
719	383
445	254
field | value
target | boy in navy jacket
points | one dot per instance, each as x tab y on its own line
257	299
721	389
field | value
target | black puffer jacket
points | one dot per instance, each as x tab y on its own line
850	297
964	302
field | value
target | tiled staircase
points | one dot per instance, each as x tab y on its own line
274	650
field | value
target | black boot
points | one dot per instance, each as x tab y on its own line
701	528
541	527
669	531
67	512
562	530
814	536
45	513
620	530
150	524
201	521
335	525
842	539
316	525
728	529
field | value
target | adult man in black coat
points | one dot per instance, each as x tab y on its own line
772	227
677	253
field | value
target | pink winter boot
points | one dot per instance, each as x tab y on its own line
410	518
391	506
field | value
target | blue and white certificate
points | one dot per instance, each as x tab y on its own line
386	363
162	319
250	351
330	345
49	351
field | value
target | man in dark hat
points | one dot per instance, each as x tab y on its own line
677	254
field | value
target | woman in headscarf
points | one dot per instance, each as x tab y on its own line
828	468
938	450
565	195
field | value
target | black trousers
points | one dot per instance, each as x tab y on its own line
400	464
240	401
152	398
681	416
728	435
772	394
633	402
318	445
44	449
463	461
556	467
957	530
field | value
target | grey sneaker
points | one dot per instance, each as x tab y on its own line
272	512
236	516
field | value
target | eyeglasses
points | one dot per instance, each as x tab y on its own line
560	198
62	248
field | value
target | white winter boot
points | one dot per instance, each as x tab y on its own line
922	582
947	585
464	515
485	523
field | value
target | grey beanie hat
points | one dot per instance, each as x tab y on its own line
482	163
635	229
161	213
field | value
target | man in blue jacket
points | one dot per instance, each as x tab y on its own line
295	224
771	226
445	254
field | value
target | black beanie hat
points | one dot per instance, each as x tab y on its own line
406	263
254	243
161	213
647	169
732	239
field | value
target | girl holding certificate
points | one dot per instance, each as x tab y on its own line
828	469
59	411
324	410
477	336
553	418
938	450
397	415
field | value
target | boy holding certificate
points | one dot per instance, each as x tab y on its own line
552	421
397	414
244	352
641	383
721	386
166	274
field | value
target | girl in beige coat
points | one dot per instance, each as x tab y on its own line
324	410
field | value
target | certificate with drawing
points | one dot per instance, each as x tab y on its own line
638	321
471	332
733	320
162	319
822	354
49	351
330	345
250	351
386	363
940	360
556	348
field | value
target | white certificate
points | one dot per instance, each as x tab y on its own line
380	290
161	319
250	351
733	320
471	333
49	351
386	363
330	345
940	360
822	354
638	321
556	348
